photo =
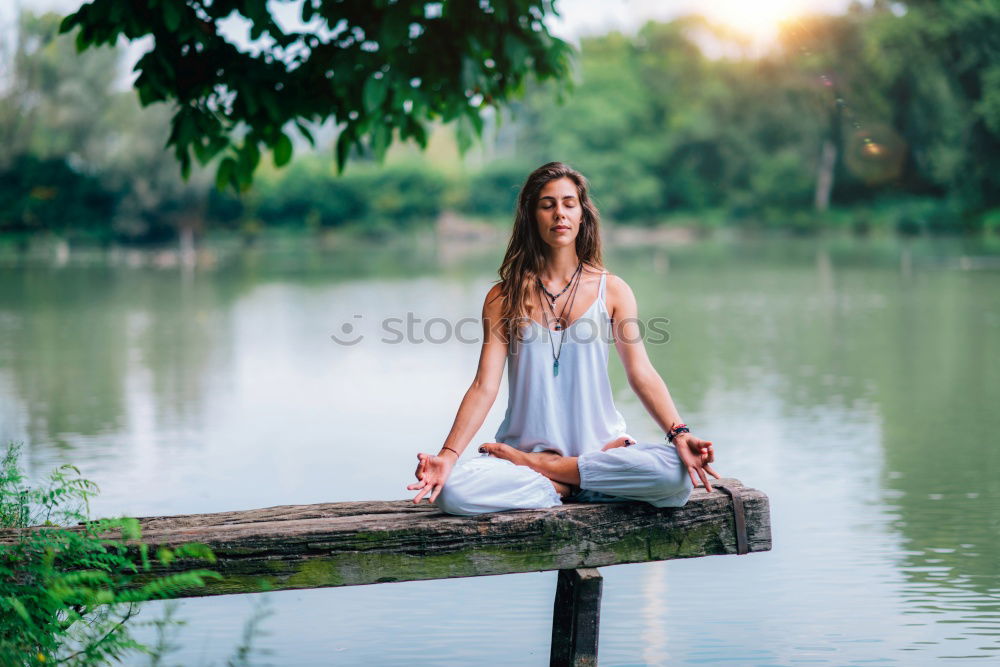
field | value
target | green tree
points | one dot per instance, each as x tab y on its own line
940	62
38	195
78	154
377	67
53	102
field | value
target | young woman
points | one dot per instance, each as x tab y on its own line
551	318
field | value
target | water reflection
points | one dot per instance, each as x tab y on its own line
854	382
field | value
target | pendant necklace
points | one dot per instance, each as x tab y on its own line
553	297
561	319
575	281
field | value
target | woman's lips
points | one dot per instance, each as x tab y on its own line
560	228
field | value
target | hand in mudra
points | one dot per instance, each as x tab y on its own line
432	471
697	454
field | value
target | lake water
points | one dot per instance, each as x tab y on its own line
855	382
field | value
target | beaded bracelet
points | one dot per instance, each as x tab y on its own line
676	431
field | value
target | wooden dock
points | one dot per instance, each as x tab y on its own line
349	544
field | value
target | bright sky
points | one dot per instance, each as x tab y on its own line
758	18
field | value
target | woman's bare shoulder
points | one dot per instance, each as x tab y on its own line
617	284
493	301
619	295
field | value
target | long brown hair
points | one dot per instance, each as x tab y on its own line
525	256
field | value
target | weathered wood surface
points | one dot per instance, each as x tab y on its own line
576	618
344	544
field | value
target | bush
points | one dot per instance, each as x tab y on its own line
66	594
493	190
990	222
310	194
39	195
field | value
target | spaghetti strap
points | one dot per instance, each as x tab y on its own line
567	408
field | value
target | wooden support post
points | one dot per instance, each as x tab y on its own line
576	618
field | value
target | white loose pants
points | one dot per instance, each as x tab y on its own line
650	472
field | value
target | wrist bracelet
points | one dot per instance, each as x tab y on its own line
676	431
457	455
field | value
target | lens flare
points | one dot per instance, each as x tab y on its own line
875	154
760	20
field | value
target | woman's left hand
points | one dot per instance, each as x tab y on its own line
697	454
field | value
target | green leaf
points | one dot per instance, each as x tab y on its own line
417	131
67	23
476	120
206	152
248	158
381	138
21	610
270	102
224	174
470	74
185	129
282	151
171	16
164	555
516	52
373	94
344	143
463	134
306	133
248	95
249	155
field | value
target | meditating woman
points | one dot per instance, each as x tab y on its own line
551	317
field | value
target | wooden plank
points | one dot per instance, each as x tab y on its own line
576	618
344	544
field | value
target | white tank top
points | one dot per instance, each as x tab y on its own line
572	412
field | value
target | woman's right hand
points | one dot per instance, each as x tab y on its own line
432	472
696	454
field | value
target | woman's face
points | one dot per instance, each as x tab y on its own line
558	212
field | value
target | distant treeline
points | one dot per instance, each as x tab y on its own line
886	118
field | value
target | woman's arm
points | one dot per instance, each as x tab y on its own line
433	471
648	384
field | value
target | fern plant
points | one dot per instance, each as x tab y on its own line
69	585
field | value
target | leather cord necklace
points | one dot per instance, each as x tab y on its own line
561	319
553	297
556	353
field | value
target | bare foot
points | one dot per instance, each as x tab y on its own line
564	490
517	457
555	466
503	451
623	441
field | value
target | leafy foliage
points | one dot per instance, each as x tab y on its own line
904	94
310	194
47	194
378	67
73	140
67	592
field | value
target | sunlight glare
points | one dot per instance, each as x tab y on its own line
759	20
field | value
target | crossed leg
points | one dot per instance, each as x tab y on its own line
562	471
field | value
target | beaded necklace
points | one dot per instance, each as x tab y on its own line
579	268
560	320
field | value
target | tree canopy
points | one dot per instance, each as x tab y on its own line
882	118
376	67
